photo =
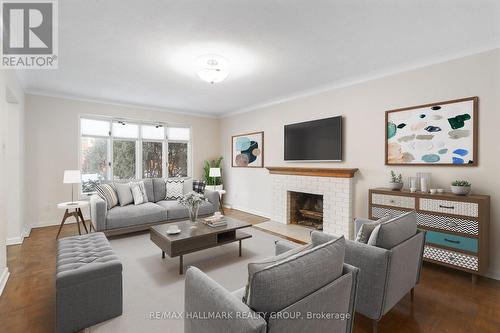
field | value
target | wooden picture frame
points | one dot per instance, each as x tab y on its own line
247	150
445	138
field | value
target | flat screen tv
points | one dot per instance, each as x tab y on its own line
316	140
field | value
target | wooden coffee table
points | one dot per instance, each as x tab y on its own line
192	240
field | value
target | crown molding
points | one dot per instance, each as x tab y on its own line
435	60
112	103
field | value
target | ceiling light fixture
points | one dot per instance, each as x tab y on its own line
212	68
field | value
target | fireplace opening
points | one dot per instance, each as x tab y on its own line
305	209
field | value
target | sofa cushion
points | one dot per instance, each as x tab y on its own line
130	215
284	283
187	185
177	211
397	230
174	209
124	193
159	189
148	185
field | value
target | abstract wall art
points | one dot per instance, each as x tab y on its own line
248	150
443	133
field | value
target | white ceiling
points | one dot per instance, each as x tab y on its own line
140	52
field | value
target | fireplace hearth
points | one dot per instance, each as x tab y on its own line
305	209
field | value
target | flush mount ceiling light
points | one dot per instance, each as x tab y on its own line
212	68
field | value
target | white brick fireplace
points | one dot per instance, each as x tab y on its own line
335	185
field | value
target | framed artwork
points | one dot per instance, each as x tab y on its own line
443	133
248	150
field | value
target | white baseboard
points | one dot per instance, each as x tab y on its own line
249	210
14	240
3	279
19	239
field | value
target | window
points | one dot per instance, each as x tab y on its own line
120	149
124	157
178	151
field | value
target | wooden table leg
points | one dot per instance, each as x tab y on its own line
474	278
163	254
239	249
221	205
80	215
62	222
181	265
75	214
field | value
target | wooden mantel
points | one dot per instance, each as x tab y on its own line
315	172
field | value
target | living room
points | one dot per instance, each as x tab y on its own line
185	166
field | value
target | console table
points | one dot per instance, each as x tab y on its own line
457	226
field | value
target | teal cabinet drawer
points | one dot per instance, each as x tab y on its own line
453	241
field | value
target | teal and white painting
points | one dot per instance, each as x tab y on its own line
442	133
248	150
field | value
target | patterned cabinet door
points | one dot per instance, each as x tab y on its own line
393	200
450	207
470	227
451	257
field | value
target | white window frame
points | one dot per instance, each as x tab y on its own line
139	141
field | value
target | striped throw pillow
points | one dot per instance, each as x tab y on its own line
175	189
108	193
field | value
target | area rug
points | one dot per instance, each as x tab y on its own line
152	285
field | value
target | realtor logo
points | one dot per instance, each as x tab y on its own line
29	31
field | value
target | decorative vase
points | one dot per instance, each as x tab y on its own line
460	190
193	213
395	186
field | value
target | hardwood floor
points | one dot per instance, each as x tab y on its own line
445	300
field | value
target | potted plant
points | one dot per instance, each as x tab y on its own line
460	187
192	201
396	183
213	183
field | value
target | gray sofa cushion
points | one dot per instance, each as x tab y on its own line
280	285
130	215
397	230
174	209
124	193
177	211
159	189
148	184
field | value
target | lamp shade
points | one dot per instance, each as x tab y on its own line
72	177
214	172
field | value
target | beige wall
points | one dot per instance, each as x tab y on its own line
363	106
52	146
11	168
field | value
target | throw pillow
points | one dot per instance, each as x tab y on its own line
124	193
279	285
188	186
139	193
367	228
174	189
108	193
199	186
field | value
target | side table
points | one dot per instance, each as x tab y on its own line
77	213
221	206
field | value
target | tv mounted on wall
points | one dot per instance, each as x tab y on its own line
317	140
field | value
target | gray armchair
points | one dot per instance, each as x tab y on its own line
203	295
386	275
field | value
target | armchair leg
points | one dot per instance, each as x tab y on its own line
374	326
412	294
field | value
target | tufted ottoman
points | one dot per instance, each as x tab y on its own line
88	282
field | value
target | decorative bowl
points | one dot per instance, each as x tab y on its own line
460	190
395	186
